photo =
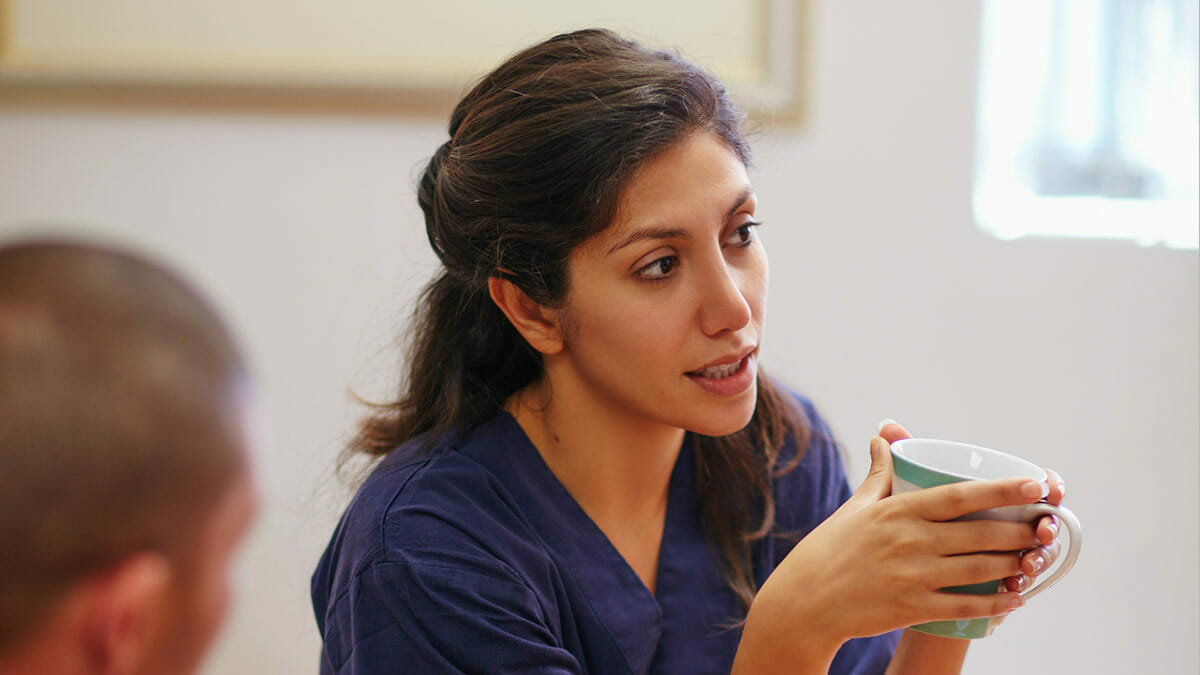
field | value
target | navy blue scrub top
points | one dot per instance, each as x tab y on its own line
474	558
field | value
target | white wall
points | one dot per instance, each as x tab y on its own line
885	302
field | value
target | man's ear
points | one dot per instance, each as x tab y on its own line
539	325
128	610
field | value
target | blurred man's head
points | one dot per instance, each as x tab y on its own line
124	476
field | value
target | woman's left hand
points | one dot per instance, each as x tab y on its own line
1033	561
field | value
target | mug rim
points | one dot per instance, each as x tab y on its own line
942	476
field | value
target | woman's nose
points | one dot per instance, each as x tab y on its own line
723	305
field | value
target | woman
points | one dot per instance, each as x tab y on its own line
585	470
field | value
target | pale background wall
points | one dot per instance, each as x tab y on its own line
886	302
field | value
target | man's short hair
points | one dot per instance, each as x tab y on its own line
119	418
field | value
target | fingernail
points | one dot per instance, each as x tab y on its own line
1053	527
1035	489
877	445
1015	603
1039	561
886	421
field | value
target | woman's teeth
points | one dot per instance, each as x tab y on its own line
720	372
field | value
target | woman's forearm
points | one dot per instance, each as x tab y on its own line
775	641
928	655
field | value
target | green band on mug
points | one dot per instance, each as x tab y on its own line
919	475
969	629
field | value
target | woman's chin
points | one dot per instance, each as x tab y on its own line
723	424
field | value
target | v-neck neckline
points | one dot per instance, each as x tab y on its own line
621	600
593	528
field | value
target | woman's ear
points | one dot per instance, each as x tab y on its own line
539	325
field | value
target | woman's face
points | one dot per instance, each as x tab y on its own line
665	310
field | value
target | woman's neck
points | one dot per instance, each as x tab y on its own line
618	468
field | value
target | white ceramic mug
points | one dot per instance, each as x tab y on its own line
921	463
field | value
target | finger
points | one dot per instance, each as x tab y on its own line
1058	489
956	606
970	536
1039	559
878	483
1047	530
1017	583
977	568
891	431
947	502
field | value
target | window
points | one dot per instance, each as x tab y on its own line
1088	120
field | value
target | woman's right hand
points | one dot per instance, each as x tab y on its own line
880	562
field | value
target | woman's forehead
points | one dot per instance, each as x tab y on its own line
699	176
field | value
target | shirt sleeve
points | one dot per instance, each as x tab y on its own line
413	617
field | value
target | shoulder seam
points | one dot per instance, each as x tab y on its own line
513	576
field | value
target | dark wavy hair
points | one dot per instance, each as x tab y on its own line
538	154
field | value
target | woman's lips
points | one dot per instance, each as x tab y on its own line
727	379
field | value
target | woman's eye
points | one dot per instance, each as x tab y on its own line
659	269
743	235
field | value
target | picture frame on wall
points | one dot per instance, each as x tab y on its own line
398	57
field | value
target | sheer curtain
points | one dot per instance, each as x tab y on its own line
1089	122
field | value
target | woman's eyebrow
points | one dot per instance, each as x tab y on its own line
666	233
743	196
649	233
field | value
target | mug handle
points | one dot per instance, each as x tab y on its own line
1075	543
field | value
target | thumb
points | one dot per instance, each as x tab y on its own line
878	483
